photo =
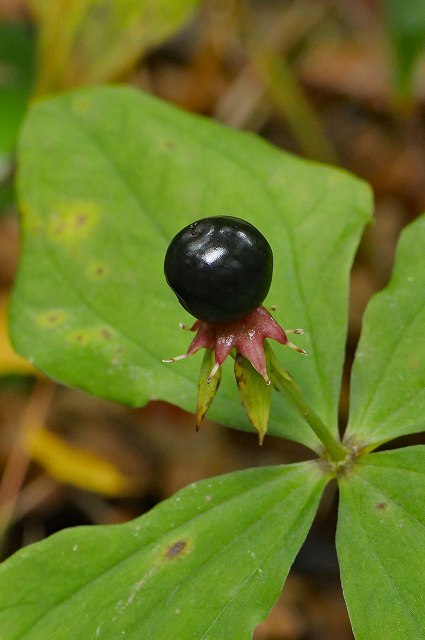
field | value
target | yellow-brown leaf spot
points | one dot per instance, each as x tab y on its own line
32	222
73	221
105	333
177	550
85	336
81	337
97	270
52	318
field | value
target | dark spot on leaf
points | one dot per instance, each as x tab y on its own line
176	549
169	144
381	506
81	219
97	270
106	334
52	318
59	228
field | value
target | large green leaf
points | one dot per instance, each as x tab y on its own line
381	544
107	177
88	41
212	558
388	380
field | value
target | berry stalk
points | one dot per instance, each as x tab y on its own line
284	382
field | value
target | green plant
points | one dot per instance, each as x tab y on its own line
16	50
404	23
109	168
82	42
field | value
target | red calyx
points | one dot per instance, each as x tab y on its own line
246	336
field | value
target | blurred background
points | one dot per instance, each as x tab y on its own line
336	81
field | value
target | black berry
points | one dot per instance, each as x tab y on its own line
220	268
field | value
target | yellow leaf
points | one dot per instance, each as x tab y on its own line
67	463
10	362
81	42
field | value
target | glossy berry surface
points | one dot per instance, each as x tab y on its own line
220	268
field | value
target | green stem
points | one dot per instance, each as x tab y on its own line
290	100
283	381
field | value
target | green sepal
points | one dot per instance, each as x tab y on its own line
207	388
255	395
279	377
